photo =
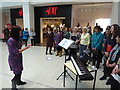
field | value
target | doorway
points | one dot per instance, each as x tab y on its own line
19	21
52	22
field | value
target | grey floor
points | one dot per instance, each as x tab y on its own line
41	72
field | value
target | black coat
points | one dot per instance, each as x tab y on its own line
49	40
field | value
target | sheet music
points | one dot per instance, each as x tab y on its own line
65	43
116	77
77	68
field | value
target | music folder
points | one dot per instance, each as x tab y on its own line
65	43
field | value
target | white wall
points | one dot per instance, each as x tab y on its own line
85	14
41	2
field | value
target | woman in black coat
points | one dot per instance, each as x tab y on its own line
49	40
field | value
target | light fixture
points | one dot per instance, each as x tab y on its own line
45	26
52	25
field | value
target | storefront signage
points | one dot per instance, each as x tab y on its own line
20	12
51	11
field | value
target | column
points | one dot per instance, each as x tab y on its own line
114	15
119	12
28	15
1	44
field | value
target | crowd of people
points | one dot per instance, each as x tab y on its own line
24	35
102	46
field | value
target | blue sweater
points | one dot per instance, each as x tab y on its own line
25	34
97	40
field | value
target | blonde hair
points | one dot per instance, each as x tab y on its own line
85	29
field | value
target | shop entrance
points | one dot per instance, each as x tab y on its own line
19	21
52	22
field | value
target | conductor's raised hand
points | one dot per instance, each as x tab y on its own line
28	46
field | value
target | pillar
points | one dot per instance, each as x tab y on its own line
28	15
114	15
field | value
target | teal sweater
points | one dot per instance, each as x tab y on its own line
97	40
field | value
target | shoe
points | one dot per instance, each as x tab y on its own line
108	83
21	83
14	89
60	53
46	53
50	53
103	78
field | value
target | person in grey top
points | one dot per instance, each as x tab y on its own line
32	36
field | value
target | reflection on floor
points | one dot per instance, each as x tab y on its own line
41	72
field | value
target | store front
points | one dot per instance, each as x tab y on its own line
47	15
17	17
51	16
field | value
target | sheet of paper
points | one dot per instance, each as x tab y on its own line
116	77
65	43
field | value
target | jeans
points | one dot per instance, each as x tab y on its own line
82	48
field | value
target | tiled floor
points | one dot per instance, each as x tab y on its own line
39	72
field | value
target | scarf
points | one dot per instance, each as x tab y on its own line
113	56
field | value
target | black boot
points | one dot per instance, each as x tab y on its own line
21	83
14	84
103	78
19	80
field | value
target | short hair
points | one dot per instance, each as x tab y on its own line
26	28
108	27
85	29
15	32
97	27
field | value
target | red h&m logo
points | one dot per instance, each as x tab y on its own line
20	12
51	11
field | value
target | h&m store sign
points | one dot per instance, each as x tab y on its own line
49	11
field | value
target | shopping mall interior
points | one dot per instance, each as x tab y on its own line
41	70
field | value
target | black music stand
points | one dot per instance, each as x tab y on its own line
65	43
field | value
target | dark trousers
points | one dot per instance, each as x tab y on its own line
49	49
107	70
97	58
33	42
25	41
16	80
59	48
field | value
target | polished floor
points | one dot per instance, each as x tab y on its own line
41	71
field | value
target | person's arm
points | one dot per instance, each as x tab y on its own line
107	63
92	41
23	49
112	65
88	38
116	69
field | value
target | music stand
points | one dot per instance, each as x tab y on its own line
65	43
